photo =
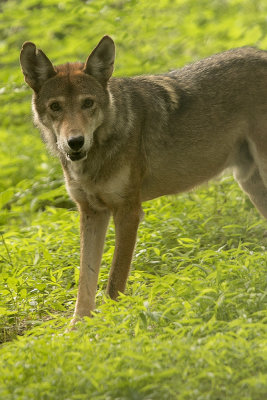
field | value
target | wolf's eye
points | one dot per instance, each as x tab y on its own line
88	103
55	106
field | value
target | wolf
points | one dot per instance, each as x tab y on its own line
123	141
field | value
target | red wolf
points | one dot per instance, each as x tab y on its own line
122	141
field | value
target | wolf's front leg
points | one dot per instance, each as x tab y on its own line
126	221
93	226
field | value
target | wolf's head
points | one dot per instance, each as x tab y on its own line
70	101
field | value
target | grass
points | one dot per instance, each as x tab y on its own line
193	322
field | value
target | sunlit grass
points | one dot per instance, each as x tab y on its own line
192	324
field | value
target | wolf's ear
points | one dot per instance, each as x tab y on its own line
100	62
36	67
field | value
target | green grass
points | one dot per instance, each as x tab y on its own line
193	322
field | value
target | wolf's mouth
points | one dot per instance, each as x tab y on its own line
77	156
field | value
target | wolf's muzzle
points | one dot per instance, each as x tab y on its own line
75	152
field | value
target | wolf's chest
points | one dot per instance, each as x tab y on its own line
105	193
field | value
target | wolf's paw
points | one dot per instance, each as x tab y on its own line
75	319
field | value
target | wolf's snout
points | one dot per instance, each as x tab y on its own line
76	143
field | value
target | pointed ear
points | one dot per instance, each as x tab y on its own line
100	62
36	67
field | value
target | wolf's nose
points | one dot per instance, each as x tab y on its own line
76	143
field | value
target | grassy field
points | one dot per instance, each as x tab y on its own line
193	322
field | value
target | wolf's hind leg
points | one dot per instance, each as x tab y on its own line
250	176
256	191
